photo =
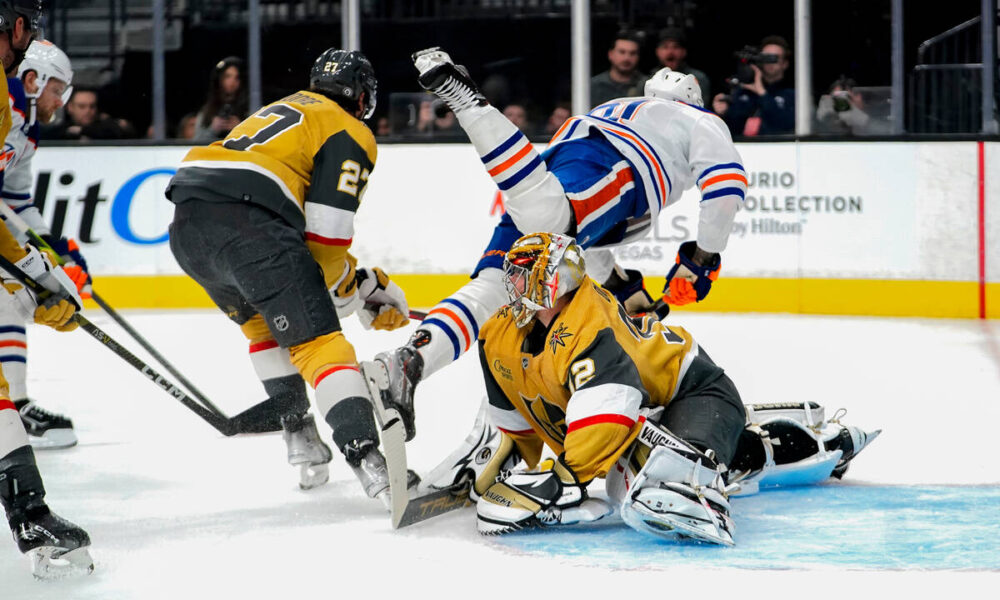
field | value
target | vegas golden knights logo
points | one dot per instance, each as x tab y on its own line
549	417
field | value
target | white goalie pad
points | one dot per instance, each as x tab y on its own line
678	493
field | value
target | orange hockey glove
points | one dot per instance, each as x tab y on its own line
688	281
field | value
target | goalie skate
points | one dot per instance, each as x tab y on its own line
450	82
57	548
306	450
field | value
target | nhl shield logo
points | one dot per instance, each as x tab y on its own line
280	322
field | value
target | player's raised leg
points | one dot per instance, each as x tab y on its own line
536	199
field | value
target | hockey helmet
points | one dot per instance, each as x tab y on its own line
673	85
539	269
345	75
10	10
49	62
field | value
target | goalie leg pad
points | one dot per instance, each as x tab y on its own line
477	463
678	492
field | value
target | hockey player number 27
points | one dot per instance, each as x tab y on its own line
288	117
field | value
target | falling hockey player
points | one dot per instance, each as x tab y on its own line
56	546
264	220
627	399
604	178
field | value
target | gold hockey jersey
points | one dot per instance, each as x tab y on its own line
578	384
303	157
9	247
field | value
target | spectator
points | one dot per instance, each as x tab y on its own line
84	120
227	103
185	127
671	51
765	106
843	111
382	127
623	78
556	119
517	115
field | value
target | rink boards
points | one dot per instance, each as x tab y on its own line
880	228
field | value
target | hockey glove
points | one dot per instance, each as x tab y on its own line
385	305
73	262
688	281
553	496
345	292
56	309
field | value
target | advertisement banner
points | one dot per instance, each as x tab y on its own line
902	210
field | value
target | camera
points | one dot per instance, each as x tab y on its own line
749	55
226	111
841	100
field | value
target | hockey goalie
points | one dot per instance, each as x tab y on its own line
630	400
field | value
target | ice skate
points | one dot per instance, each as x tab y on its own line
369	466
46	430
57	548
306	450
397	374
849	439
450	82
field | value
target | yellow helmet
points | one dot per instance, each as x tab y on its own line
539	269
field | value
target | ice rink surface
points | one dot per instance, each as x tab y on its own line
177	511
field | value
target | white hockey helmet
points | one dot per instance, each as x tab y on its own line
672	85
48	61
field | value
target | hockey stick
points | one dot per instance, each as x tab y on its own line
219	422
393	439
10	215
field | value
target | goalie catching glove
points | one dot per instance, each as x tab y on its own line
688	281
552	495
385	306
57	308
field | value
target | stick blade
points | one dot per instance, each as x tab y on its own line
434	504
393	434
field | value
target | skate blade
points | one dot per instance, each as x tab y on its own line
53	439
47	562
674	527
312	476
429	57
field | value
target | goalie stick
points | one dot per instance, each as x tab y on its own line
393	434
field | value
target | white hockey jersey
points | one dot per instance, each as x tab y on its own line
19	148
672	146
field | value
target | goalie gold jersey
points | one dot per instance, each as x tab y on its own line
578	384
303	158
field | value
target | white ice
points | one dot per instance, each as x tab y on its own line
177	511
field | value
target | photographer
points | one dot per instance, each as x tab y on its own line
761	103
842	111
227	102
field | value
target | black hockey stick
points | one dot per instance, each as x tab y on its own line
223	424
12	216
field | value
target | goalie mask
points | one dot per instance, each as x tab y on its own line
672	85
344	77
539	269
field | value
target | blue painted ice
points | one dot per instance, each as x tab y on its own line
833	525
